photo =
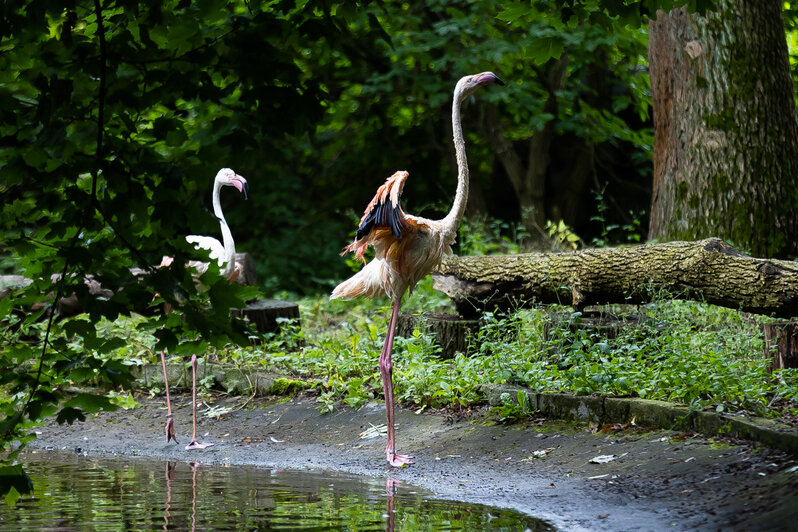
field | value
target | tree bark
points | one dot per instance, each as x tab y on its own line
529	181
451	331
709	270
725	128
781	344
267	314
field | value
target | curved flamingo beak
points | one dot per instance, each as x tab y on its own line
488	77
241	184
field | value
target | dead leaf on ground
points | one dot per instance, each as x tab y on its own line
374	431
605	458
538	454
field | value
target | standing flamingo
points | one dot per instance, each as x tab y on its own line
407	247
225	255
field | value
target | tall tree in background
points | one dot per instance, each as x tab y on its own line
726	134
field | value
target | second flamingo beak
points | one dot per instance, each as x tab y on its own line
241	184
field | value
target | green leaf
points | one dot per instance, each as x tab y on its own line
90	403
5	307
69	415
541	49
13	483
514	12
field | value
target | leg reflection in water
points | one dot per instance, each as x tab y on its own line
194	468
170	473
390	490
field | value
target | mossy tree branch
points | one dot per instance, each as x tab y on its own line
708	270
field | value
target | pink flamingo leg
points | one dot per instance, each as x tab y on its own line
386	371
194	444
170	424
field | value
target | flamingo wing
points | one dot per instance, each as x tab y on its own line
385	209
215	248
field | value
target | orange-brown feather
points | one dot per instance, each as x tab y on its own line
406	248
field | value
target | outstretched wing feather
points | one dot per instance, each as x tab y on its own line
210	244
385	209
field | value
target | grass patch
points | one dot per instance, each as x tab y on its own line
699	355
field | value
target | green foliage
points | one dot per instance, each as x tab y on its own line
687	352
483	235
105	116
513	409
629	232
562	235
14	482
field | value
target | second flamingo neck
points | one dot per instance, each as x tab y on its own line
227	236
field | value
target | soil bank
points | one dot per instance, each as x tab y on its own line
653	479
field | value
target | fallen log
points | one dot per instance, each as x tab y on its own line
709	270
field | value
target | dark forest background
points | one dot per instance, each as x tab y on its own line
115	116
316	103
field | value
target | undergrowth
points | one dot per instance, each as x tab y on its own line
687	352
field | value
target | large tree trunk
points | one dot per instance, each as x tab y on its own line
709	270
726	134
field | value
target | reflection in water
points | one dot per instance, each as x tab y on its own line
170	468
82	493
390	490
194	467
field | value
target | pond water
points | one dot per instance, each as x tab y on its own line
74	492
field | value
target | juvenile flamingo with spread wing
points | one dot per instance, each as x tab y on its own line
407	247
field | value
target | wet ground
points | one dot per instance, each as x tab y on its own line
577	477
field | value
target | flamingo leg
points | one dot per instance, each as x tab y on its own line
194	444
170	423
386	372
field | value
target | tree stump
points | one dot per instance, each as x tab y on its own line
451	331
265	313
245	265
781	344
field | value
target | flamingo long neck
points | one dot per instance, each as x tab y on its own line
227	236
452	220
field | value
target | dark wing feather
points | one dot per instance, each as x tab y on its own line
385	210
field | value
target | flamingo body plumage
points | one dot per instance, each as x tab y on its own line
406	247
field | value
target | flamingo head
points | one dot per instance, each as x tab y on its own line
227	177
469	84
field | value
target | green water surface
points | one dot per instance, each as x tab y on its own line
73	492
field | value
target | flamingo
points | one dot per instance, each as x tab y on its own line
225	255
407	248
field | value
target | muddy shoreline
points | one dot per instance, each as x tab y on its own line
654	479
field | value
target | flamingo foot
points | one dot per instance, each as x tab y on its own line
398	460
170	429
197	445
